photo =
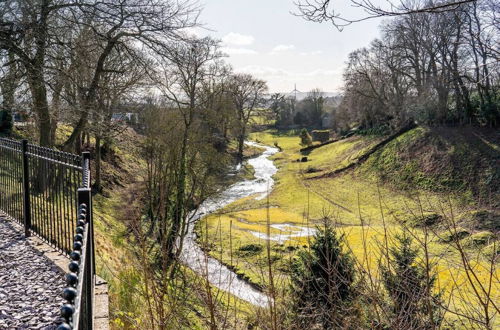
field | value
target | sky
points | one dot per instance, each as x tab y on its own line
263	38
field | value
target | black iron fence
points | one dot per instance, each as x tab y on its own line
48	192
78	311
38	189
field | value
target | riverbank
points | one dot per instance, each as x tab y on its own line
217	273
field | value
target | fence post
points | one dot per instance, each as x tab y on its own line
26	190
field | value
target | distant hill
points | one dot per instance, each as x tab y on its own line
303	95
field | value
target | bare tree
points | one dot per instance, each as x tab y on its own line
426	67
246	93
150	23
185	68
324	11
125	76
31	29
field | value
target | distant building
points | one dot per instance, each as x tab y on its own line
126	117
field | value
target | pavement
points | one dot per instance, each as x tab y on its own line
30	283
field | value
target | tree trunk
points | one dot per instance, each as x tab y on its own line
74	140
177	226
41	107
241	143
8	89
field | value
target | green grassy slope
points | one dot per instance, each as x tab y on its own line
459	160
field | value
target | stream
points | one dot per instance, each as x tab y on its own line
193	256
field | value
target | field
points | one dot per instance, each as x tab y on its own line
365	208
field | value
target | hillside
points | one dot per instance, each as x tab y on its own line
459	160
458	163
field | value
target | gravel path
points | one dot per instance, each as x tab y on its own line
30	284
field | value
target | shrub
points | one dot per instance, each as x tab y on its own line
305	138
311	169
250	249
459	234
410	288
426	220
322	282
5	122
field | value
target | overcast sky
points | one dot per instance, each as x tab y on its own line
263	38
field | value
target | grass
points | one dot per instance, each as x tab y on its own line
360	201
337	155
459	160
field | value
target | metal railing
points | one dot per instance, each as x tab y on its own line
78	311
38	189
48	192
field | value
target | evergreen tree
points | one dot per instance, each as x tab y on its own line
322	282
413	304
305	138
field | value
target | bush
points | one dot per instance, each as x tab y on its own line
322	282
426	220
305	138
311	169
376	131
459	234
250	249
484	220
5	122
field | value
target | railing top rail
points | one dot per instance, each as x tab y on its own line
86	170
74	293
55	155
11	144
58	156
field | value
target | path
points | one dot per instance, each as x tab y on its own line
30	284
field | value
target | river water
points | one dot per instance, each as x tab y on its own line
193	256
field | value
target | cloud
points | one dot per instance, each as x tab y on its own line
283	80
282	48
237	39
238	51
312	53
330	72
262	71
271	72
